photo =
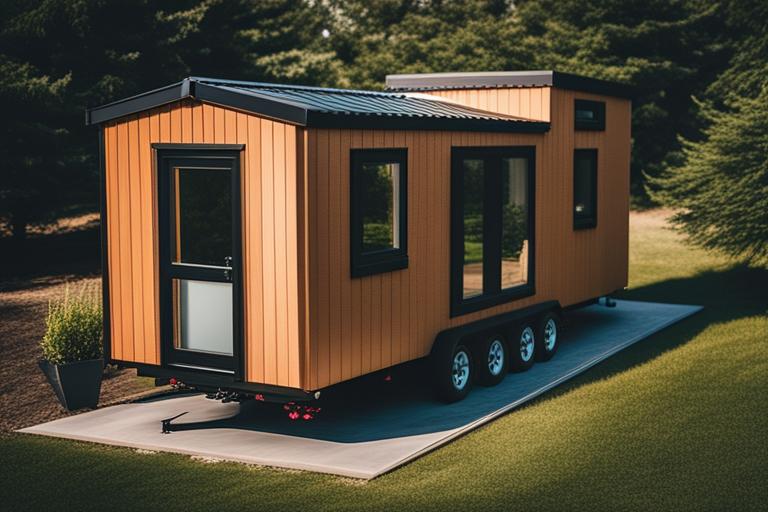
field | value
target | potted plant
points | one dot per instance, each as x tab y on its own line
72	348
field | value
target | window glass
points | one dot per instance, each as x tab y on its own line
474	198
378	211
585	188
202	215
203	316
514	222
381	189
492	226
589	115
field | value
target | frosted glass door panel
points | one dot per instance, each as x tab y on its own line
204	316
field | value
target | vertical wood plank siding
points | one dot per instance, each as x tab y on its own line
365	324
270	182
528	102
308	324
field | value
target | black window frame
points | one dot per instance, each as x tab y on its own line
385	260
582	221
493	294
598	107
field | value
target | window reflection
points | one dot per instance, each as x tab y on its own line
202	216
473	186
514	228
381	189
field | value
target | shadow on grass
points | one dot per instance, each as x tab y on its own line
362	409
731	294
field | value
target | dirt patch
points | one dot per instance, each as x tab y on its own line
26	398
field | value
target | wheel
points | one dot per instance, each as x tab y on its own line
547	336
452	372
522	347
491	360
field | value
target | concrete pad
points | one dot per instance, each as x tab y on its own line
367	427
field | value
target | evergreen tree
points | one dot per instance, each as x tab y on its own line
263	40
668	50
57	57
380	37
721	193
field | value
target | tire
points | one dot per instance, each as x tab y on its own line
548	335
491	360
522	347
452	372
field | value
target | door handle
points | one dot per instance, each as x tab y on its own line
228	271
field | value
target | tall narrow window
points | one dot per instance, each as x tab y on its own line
584	188
514	222
473	179
378	211
492	226
589	115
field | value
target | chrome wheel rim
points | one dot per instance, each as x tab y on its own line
550	335
460	373
526	344
495	357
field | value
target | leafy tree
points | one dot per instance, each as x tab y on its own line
380	37
57	57
667	50
30	177
746	37
721	193
264	40
721	190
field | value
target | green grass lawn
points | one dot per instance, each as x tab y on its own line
679	421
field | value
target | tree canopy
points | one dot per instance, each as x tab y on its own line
60	56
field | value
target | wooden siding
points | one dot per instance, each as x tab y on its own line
529	102
361	325
273	354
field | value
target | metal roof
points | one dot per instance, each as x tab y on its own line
323	107
479	80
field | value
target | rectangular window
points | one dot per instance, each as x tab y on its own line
474	195
378	210
584	188
492	226
589	115
514	222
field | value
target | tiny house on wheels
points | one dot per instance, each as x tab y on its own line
273	240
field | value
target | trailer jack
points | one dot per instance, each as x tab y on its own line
167	428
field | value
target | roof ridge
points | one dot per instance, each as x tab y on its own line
296	87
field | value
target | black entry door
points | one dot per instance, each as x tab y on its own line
199	218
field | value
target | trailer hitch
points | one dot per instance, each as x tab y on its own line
167	428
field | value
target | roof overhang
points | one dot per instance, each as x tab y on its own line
284	110
496	79
190	88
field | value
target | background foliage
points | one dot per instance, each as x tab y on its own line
59	56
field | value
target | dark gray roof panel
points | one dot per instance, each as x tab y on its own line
492	79
323	107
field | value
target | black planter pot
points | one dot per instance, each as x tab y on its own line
77	385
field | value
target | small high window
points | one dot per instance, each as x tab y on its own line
589	115
584	188
378	210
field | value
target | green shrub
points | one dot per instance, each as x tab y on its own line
73	327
